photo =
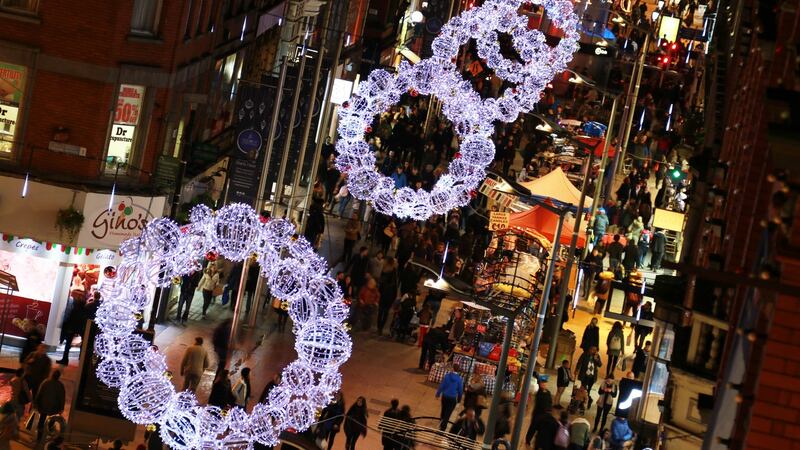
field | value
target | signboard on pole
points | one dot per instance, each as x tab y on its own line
498	220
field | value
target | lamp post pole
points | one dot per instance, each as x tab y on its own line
499	379
604	161
536	337
619	160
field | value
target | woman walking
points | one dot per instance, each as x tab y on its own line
331	419
616	347
355	424
241	390
207	285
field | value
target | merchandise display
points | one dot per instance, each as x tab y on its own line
294	273
473	117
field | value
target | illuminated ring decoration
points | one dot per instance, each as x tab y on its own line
294	272
472	117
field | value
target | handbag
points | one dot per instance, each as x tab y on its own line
33	420
217	290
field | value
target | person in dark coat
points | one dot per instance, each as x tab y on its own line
631	259
50	398
388	440
542	404
358	268
221	391
640	359
331	419
469	425
32	340
591	335
250	285
545	429
189	285
435	339
37	368
642	331
658	244
316	222
73	326
220	339
388	289
355	424
615	250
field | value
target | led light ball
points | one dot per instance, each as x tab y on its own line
279	232
145	398
265	423
323	345
236	227
112	371
287	280
337	311
297	377
116	319
300	414
302	309
161	236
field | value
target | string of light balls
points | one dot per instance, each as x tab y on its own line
472	117
294	273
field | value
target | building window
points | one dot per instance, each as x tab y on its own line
121	142
28	6
145	16
12	91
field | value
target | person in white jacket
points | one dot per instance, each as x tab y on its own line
208	283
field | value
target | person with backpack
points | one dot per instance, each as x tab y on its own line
615	343
562	439
578	431
607	391
587	368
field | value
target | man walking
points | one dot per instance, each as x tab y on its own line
450	390
189	285
587	368
195	362
563	380
614	251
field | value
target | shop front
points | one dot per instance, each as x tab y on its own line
54	265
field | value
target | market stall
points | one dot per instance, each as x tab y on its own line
557	186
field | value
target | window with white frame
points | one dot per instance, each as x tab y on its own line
144	19
27	6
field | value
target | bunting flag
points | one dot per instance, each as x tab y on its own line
7	237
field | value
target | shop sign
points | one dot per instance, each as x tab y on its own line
498	220
104	228
487	186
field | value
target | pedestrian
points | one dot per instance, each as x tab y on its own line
74	325
563	379
601	292
434	340
591	335
20	392
276	380
592	265
281	314
242	390
352	233
631	259
208	284
502	425
358	268
330	420
614	251
658	245
450	390
562	438
315	225
542	402
640	360
375	266
621	434
33	338
355	424
189	283
607	391
643	246
468	425
221	394
587	368
387	438
601	441
615	343
368	299
9	425
50	399
406	441
635	230
579	435
37	367
388	291
194	364
643	330
220	339
544	428
475	395
600	225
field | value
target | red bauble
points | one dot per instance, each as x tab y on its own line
473	193
413	92
110	272
457	155
263	219
368	129
346	105
211	256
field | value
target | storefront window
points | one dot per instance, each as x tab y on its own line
121	142
664	339
12	90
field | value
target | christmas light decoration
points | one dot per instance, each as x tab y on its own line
295	273
472	117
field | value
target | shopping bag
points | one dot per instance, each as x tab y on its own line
438	370
33	421
226	294
484	348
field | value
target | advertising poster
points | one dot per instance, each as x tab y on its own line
85	278
30	306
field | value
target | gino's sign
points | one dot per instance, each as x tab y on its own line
104	228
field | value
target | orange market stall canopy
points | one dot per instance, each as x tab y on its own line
597	143
556	185
540	222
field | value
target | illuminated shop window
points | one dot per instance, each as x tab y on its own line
122	140
12	90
